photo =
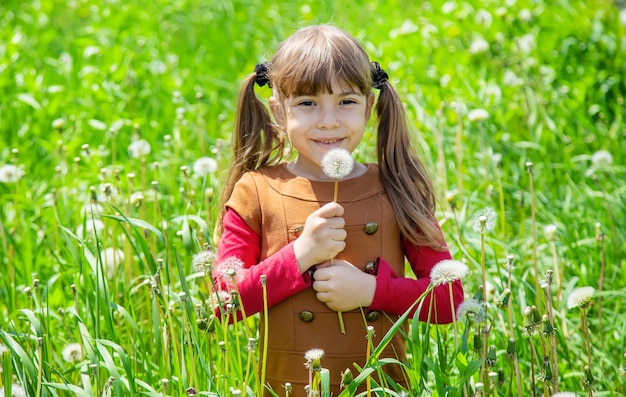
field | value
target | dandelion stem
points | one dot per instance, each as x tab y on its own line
553	334
600	239
533	382
40	365
458	146
456	332
529	166
265	334
342	327
518	376
485	374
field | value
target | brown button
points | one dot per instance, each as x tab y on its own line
371	228
306	316
372	316
298	230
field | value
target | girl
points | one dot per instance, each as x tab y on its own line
278	217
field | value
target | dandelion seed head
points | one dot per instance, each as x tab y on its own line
90	229
484	18
337	163
580	297
564	394
9	173
112	258
72	353
526	43
510	79
230	267
16	391
58	124
448	7
601	158
92	209
137	198
203	261
476	115
472	311
220	299
550	232
204	166
447	271
479	46
313	359
139	148
484	220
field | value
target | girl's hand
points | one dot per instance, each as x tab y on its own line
343	287
322	237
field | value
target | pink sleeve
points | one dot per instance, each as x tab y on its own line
395	295
281	269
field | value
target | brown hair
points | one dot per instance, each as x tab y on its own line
307	63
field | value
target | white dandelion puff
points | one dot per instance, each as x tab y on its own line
526	43
204	166
9	173
112	258
92	209
484	18
58	124
484	220
91	228
203	261
601	158
313	359
510	79
476	115
479	46
139	148
337	163
220	299
471	309
448	7
16	391
564	394
72	353
550	232
447	271
580	297
230	268
525	15
137	198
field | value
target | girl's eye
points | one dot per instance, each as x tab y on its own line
348	102
307	103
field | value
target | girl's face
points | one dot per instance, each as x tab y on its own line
319	122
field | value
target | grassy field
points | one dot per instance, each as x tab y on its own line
115	122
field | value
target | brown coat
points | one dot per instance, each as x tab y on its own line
277	212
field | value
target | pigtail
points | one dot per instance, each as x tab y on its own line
404	176
256	140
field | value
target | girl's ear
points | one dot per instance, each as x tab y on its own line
277	111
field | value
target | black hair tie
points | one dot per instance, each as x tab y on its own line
261	70
379	76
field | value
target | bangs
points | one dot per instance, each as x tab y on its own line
315	79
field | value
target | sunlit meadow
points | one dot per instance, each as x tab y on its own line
115	119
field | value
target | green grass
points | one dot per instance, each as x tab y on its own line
81	80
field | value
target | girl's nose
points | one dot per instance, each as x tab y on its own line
328	120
